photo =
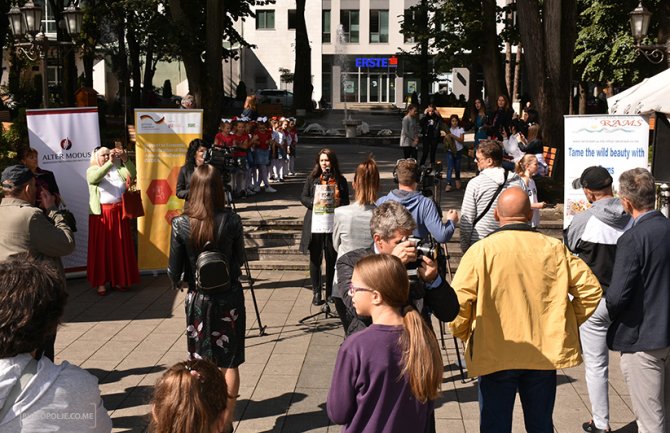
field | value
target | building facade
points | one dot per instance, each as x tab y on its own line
355	47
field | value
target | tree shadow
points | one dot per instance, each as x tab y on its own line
131	397
301	422
273	406
105	376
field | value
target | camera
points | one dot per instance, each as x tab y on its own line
426	248
223	160
429	177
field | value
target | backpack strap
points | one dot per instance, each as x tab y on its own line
488	207
26	375
219	232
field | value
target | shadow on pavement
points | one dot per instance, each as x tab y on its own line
301	422
631	427
105	376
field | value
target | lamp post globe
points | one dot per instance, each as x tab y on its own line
639	22
15	21
32	17
73	20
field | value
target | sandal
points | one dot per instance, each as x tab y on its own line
102	291
448	188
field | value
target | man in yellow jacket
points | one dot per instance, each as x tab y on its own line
516	317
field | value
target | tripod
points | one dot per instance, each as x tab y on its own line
325	310
247	269
437	197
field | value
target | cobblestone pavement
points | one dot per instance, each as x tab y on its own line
128	339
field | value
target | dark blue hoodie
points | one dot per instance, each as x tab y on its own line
425	213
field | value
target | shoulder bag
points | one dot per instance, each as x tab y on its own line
132	200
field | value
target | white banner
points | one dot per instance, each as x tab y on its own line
323	210
617	143
64	139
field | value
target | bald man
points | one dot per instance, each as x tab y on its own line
515	283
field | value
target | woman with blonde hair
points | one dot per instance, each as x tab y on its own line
386	376
351	229
111	250
526	168
191	397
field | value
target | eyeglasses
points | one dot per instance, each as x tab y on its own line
353	289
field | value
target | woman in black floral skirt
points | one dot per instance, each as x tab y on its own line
215	320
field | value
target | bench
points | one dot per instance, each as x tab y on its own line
446	112
549	154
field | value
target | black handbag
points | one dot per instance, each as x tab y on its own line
212	273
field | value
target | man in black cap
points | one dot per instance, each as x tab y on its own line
26	229
593	236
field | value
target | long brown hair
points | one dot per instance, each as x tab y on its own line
366	182
188	398
421	357
206	197
334	165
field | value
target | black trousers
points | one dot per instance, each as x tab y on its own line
322	244
429	146
409	152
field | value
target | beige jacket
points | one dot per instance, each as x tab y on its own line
515	311
25	228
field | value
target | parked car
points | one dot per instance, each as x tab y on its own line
275	96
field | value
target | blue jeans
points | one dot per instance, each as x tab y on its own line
497	392
454	164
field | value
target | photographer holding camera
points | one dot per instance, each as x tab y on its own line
423	209
391	227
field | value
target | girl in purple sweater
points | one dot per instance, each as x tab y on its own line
386	376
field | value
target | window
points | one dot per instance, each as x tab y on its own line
325	25
408	26
265	19
292	18
48	19
379	26
350	25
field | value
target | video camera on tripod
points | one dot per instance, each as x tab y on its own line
223	159
429	177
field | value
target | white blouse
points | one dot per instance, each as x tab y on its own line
111	187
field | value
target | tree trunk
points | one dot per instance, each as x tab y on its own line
424	56
135	66
191	57
213	67
303	69
148	79
582	97
88	58
69	77
490	56
548	38
517	74
508	68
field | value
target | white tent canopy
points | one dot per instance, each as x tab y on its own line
652	94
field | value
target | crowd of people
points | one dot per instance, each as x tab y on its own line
535	303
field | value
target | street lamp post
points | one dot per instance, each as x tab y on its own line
26	23
639	25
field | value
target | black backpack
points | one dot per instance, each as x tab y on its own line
212	273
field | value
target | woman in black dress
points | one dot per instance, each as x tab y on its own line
195	157
216	321
326	171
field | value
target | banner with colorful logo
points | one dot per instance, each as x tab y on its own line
162	138
64	139
617	143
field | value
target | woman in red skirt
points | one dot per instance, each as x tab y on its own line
111	251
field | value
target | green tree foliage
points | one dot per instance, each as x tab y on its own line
604	50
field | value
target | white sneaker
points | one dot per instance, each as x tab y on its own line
270	189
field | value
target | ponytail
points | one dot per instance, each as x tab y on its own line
421	357
520	167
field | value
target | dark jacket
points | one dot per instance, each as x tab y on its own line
184	181
593	235
307	200
430	127
181	265
638	297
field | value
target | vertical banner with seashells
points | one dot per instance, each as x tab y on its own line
64	139
162	138
615	142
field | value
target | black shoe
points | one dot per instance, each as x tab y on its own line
590	427
316	300
330	300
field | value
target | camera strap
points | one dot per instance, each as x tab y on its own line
488	207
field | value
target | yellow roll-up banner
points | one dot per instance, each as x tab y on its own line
162	138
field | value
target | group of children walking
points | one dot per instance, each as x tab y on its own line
266	147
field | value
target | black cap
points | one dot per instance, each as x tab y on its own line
595	178
16	175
